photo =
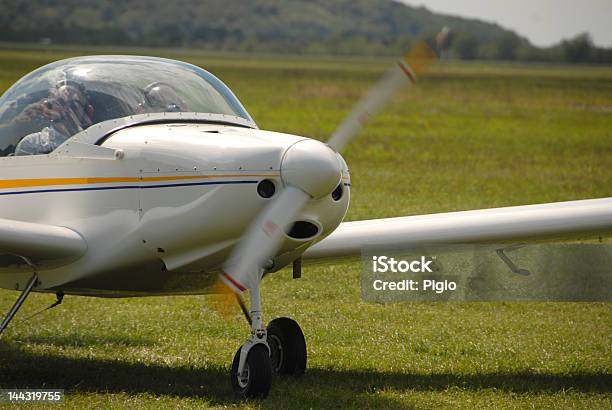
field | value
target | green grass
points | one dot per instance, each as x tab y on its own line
469	136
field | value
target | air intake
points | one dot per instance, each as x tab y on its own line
303	230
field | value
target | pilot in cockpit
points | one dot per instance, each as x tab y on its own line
68	111
161	97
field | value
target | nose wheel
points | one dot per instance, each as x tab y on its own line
279	348
285	354
256	377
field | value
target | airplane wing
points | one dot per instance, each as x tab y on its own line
510	224
26	245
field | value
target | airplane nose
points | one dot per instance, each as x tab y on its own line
312	167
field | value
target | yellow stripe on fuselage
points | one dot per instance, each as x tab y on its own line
24	183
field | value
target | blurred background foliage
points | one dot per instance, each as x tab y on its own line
339	27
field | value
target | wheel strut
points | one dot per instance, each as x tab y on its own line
11	313
251	368
258	330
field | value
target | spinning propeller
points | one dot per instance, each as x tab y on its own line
310	169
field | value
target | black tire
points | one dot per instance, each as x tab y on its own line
287	347
259	379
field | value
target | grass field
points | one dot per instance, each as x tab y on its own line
469	136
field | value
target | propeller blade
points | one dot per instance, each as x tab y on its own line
404	72
262	239
222	299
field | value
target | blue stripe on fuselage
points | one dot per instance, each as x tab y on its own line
128	187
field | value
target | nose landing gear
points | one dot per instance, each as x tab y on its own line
278	349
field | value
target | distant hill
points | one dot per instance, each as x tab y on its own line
294	26
366	27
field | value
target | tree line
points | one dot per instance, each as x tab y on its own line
509	47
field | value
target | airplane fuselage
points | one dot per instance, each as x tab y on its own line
160	205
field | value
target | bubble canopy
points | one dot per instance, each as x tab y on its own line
59	100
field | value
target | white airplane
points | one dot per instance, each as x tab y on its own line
126	176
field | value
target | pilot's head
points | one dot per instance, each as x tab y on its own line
68	107
161	97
